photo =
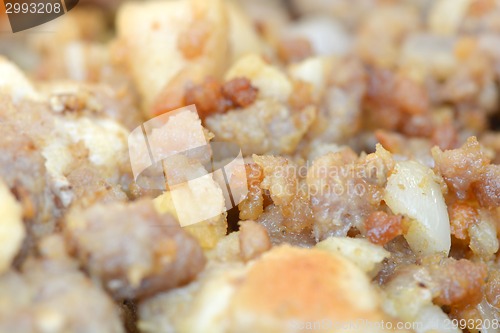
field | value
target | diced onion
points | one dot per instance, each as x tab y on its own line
412	190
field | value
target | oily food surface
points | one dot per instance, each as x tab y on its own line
370	149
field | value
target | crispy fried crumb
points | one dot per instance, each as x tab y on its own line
240	91
381	227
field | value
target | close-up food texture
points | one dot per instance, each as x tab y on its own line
250	166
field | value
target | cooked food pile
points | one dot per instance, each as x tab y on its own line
370	136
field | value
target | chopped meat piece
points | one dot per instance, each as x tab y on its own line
387	90
461	167
54	296
266	126
22	166
240	91
294	50
487	188
382	227
344	190
133	250
207	97
254	240
460	282
462	216
211	98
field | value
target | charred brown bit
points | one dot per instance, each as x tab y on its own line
240	92
207	97
294	49
134	251
461	167
382	227
462	216
211	97
254	240
460	282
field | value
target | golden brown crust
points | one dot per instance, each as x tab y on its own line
292	283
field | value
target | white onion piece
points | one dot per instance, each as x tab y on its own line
489	316
432	319
412	190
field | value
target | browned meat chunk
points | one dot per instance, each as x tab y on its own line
210	97
54	296
345	190
487	188
382	227
207	97
393	100
132	249
461	167
460	282
240	91
266	126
